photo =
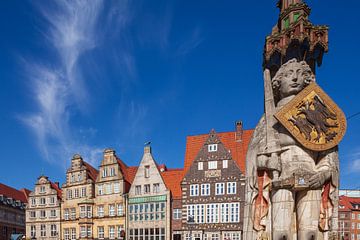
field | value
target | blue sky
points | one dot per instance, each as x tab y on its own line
78	77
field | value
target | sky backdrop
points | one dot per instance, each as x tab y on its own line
82	76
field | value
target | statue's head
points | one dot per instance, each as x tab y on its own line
291	78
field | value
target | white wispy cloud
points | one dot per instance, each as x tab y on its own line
71	29
192	42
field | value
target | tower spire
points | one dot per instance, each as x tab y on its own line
294	36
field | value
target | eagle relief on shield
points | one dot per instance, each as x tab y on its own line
313	119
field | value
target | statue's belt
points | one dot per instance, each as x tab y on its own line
296	182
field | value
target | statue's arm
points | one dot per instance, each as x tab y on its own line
325	168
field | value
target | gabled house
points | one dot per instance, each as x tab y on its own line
148	210
213	190
78	200
44	210
112	183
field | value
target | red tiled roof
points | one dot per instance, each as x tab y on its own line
238	149
57	188
172	179
14	193
348	202
128	172
91	171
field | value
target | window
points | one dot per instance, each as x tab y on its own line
232	235
108	188
53	230
352	225
120	228
220	188
42	201
194	190
66	214
104	173
42	214
358	216
111	210
212	213
147	171
116	187
358	226
43	230
100	232
79	177
88	231
352	236
120	210
112	232
100	190
147	188
212	147
52	213
69	194
286	23
83	192
112	172
66	234
52	200
137	190
205	189
231	187
341	206
296	16
32	214
89	212
83	231
76	193
352	216
82	212
200	165
33	231
100	212
156	187
73	233
212	165
33	202
177	214
42	189
73	213
358	236
225	163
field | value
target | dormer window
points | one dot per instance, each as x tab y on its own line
212	148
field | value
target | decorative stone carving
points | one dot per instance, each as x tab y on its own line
291	190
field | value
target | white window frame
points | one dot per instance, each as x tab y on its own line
225	163
231	187
120	210
100	211
212	147
111	210
212	165
200	166
111	232
205	189
194	190
219	188
116	187
101	232
177	213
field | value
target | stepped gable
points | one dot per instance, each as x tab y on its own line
238	147
172	179
13	193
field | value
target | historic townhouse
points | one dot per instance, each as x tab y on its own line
12	211
78	200
148	202
43	211
349	218
112	183
213	186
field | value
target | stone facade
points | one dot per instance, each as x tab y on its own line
148	209
109	208
213	194
12	211
78	200
43	211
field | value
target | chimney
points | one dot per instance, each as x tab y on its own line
238	131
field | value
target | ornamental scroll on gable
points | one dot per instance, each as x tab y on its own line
313	119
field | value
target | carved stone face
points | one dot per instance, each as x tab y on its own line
291	78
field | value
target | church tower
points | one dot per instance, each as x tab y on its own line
294	36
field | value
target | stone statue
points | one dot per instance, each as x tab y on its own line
292	191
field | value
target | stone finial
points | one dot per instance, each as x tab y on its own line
76	156
147	147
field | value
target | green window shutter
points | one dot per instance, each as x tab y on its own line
296	16
286	23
